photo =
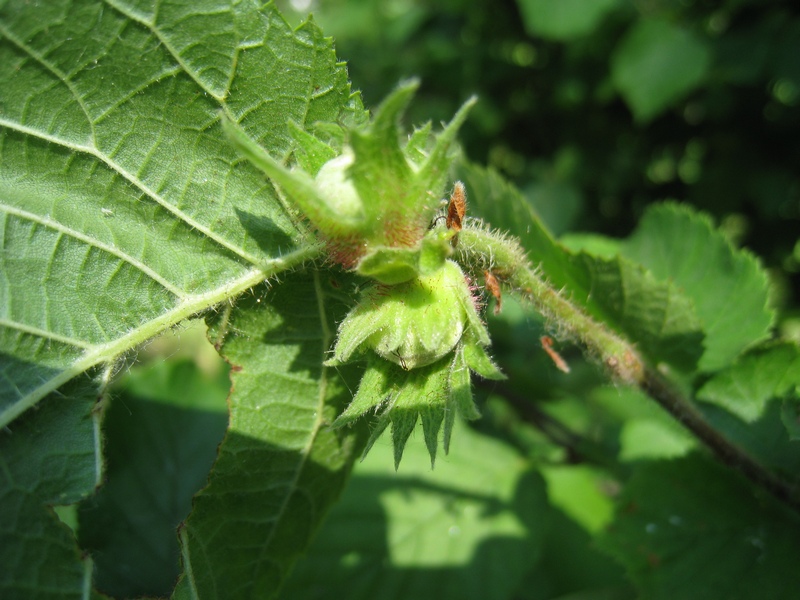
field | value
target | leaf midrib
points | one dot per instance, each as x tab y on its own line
191	305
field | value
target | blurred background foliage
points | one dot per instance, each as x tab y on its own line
597	108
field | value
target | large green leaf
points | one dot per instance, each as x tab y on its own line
124	209
49	457
692	529
656	64
281	465
470	529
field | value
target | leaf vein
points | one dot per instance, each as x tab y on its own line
191	305
136	182
113	250
62	77
42	333
152	27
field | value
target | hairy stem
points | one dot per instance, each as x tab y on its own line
507	260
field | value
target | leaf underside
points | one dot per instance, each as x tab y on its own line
125	210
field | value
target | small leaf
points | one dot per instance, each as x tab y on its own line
692	516
655	313
657	64
565	19
162	431
614	290
728	286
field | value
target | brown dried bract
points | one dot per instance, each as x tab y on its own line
457	208
547	346
493	287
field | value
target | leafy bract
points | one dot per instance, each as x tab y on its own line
691	529
656	64
50	457
424	534
280	465
124	208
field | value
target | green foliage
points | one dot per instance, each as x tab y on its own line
430	534
280	465
50	458
564	20
657	64
95	153
745	387
162	431
727	286
128	208
677	519
617	291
